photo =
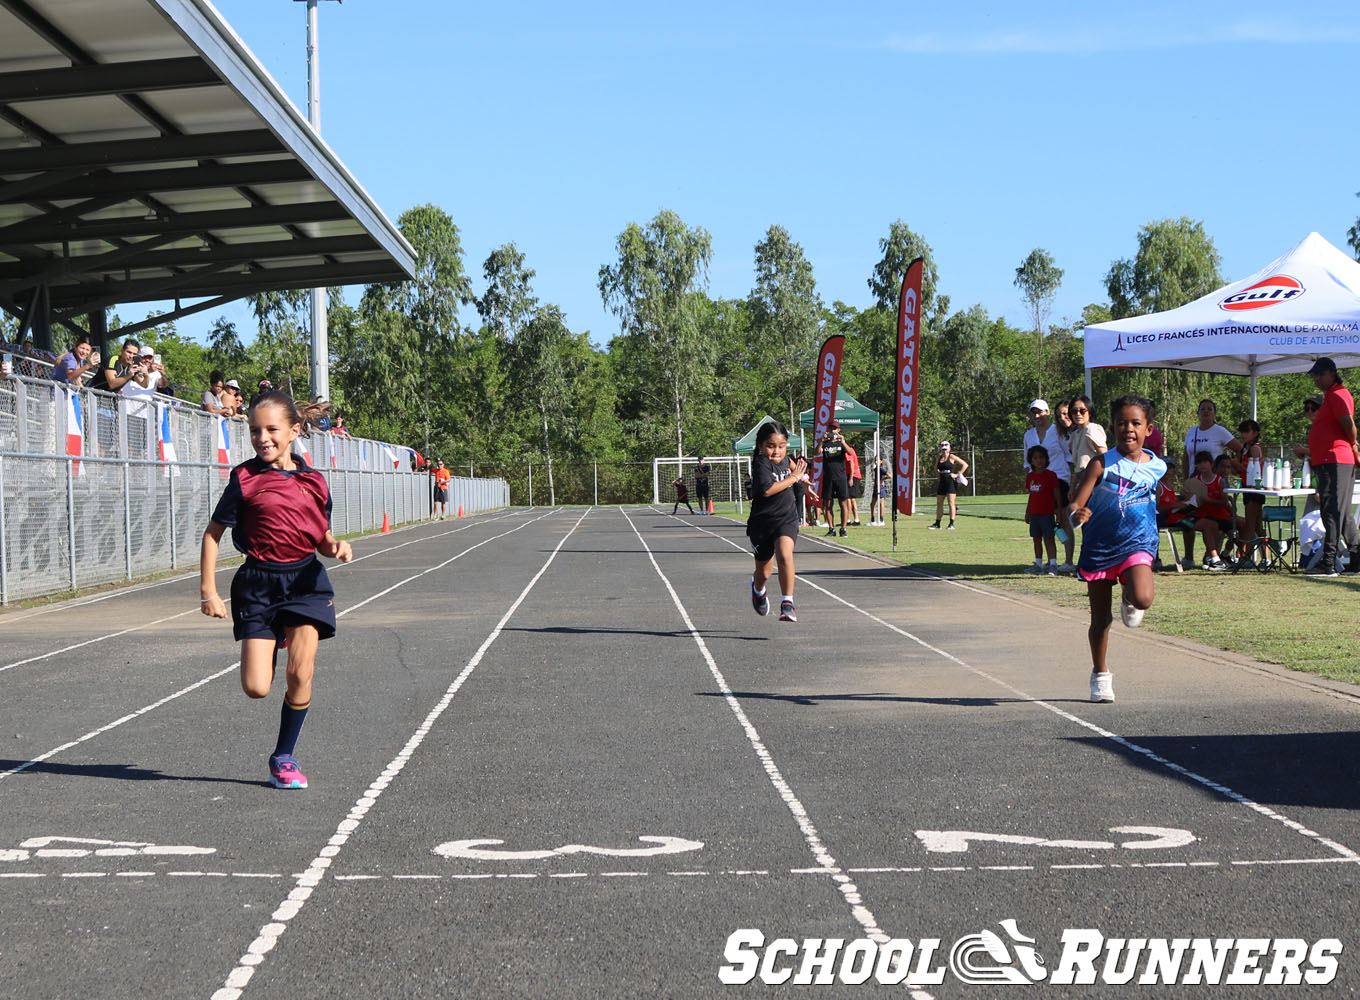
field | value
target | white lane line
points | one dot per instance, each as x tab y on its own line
193	611
221	673
848	890
305	883
726	873
1215	786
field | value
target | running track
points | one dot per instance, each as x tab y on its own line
555	754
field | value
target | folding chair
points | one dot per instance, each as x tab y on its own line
1280	546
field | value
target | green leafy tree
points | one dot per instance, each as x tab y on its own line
541	377
1353	235
283	343
899	248
224	345
785	316
1176	263
1038	278
508	303
655	289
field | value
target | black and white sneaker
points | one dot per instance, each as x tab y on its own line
761	602
786	612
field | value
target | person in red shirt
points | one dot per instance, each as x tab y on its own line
1041	511
441	490
1332	452
278	509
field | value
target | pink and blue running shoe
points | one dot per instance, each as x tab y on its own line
285	773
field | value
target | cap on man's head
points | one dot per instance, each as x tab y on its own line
265	381
146	352
835	425
1322	365
1040	405
233	384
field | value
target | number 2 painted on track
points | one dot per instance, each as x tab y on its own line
957	841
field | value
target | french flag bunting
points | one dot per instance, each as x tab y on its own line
75	428
165	441
223	447
363	455
302	449
391	456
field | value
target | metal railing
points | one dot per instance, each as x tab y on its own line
67	523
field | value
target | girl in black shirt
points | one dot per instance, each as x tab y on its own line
773	524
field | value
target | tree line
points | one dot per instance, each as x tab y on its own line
689	372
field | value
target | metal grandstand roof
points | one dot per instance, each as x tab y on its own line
145	154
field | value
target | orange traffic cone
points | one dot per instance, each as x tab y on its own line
387	525
710	505
460	510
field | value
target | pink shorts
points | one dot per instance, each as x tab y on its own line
1114	572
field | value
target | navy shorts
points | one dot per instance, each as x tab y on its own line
266	598
763	546
835	488
1042	525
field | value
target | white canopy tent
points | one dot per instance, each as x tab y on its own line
1298	308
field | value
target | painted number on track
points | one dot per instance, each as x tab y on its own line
957	841
482	850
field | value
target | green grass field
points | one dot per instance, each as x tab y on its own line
1279	618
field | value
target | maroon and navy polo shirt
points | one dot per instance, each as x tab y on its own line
275	516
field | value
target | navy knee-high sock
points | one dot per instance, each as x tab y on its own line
291	718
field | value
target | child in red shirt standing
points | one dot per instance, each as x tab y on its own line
1041	483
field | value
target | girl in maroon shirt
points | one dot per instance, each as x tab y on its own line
279	511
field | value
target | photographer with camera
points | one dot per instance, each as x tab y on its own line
831	450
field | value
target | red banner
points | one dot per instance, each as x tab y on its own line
908	380
828	381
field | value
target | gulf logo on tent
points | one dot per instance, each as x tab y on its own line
1266	292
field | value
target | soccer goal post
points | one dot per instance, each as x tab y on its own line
726	478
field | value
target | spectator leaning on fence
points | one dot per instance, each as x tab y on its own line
212	396
76	363
118	369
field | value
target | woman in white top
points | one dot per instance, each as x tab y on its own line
1087	439
1208	436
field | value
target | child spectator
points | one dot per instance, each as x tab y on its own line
1117	502
1041	483
1214	519
1176	513
681	496
278	509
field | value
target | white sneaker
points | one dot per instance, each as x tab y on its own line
1036	567
1102	688
1133	617
1215	565
1067	568
1052	568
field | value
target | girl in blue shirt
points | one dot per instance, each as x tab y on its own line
1116	503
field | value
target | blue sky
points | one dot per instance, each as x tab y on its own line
990	128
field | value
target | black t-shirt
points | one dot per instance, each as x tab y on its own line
768	514
833	457
101	377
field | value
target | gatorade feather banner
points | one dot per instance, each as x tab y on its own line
828	380
908	382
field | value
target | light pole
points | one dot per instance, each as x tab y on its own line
320	356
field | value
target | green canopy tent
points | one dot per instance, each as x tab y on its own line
746	444
852	414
